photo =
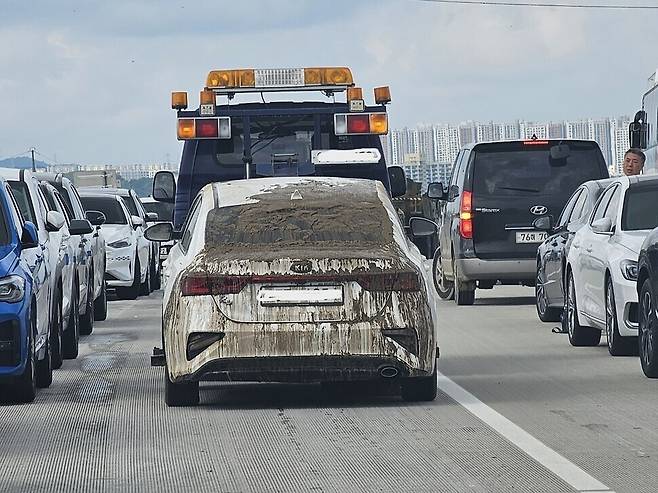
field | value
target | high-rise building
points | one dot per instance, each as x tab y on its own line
446	143
599	131
619	136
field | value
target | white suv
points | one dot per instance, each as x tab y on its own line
127	256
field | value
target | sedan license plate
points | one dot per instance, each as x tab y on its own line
297	295
530	236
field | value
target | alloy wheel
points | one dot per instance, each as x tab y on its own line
646	334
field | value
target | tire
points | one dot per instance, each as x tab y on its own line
579	335
56	332
464	296
87	320
180	394
25	388
132	292
544	312
419	389
43	369
100	304
71	336
445	289
617	344
648	338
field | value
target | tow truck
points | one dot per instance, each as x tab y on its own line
228	140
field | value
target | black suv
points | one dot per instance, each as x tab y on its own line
497	191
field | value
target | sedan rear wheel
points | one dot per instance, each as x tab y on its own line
87	320
419	389
648	339
578	335
180	394
617	345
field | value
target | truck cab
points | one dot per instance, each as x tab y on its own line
225	140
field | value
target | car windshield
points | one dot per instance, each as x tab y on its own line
22	194
109	206
164	210
515	169
640	211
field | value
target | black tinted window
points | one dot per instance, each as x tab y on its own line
579	209
107	205
164	211
566	212
515	168
602	205
22	195
640	210
130	204
4	229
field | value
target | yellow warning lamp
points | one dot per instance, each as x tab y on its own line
382	95
179	100
207	97
354	93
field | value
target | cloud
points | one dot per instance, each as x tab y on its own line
91	81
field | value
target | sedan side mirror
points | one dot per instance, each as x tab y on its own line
160	232
96	218
543	223
152	217
602	226
54	221
422	227
29	236
136	221
164	187
80	227
435	191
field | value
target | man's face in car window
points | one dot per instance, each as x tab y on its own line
633	164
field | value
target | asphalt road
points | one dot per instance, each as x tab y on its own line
519	410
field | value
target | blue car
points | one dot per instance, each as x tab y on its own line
24	352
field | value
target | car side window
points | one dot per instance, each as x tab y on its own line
579	208
566	212
15	211
62	208
455	168
602	204
188	228
612	210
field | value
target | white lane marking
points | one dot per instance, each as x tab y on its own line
547	457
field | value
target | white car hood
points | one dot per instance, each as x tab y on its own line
114	232
632	240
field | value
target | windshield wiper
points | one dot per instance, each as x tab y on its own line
519	189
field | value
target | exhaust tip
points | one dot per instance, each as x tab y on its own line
388	372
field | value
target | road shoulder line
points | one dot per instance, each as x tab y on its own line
541	453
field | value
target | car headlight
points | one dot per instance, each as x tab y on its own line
12	289
122	243
629	269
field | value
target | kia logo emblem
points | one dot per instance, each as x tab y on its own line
539	210
301	266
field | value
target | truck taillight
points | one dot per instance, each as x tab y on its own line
466	215
204	128
361	123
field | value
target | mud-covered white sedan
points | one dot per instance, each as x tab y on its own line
296	280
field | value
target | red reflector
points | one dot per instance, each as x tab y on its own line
207	128
394	281
358	124
535	142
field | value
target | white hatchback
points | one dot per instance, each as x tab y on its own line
602	265
297	280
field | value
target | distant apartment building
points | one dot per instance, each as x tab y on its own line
127	171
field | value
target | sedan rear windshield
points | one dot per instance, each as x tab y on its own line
516	168
640	209
109	206
322	218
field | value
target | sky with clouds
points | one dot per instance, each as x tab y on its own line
89	81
